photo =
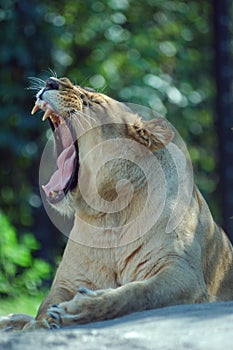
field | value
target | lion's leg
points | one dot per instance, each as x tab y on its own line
171	286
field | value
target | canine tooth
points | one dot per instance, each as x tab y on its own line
35	108
53	118
46	115
53	194
42	104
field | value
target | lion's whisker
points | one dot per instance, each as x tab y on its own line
54	74
85	115
76	120
36	83
85	119
79	114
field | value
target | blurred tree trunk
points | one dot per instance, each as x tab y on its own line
224	74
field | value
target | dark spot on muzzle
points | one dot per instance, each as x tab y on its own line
50	85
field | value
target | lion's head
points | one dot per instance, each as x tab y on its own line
80	119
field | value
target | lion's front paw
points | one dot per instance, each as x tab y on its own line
86	306
14	322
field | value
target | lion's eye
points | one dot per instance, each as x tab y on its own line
52	85
84	99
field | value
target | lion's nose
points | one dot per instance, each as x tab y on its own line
51	84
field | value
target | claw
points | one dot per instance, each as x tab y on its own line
54	326
54	312
84	290
54	315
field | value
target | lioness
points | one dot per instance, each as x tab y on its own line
113	263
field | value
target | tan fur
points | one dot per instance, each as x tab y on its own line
191	264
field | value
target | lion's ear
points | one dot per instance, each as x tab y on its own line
154	134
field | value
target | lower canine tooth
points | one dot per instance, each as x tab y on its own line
46	115
53	194
53	118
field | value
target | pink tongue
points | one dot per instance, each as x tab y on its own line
61	176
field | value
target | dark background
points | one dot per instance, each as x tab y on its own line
172	56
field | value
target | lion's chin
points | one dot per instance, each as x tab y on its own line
64	206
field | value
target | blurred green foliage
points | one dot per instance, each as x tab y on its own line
155	53
20	273
25	303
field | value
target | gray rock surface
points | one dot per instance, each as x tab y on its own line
194	327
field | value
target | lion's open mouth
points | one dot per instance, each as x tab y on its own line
64	178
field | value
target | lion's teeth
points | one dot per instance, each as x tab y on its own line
48	111
35	108
53	194
46	115
53	118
